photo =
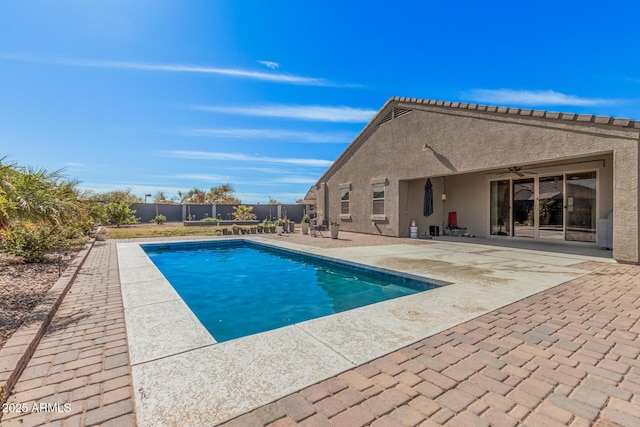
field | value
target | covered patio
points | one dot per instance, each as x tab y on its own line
568	201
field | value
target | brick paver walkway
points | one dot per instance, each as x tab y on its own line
83	359
566	356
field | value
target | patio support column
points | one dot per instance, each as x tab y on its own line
626	184
321	208
402	226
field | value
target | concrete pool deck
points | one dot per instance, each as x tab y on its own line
567	355
177	365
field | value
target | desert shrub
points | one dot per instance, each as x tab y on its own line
32	242
243	212
159	219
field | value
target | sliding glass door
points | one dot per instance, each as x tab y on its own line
500	215
550	207
523	207
561	207
581	207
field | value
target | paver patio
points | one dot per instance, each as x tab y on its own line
83	358
565	356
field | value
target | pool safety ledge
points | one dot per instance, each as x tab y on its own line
181	376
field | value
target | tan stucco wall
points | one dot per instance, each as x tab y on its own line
466	146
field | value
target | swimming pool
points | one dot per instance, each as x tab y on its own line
238	288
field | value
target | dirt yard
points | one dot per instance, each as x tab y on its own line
23	286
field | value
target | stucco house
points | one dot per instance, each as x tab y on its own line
503	173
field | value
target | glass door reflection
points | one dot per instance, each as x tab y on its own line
500	206
523	207
581	207
550	207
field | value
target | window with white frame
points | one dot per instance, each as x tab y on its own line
345	194
378	199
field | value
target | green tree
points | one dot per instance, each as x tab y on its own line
222	194
195	195
218	194
120	213
161	197
116	196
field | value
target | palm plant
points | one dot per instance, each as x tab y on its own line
35	194
242	212
195	195
221	194
39	211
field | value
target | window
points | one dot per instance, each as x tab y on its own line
344	201
378	199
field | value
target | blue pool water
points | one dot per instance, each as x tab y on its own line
239	288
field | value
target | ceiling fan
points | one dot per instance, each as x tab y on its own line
516	170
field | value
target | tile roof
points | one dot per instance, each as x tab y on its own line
584	118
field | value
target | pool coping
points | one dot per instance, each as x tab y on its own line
176	367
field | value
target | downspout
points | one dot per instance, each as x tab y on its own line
444	201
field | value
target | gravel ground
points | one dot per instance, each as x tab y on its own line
22	287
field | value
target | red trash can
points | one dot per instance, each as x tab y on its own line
453	219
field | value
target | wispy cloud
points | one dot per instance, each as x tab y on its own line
239	157
202	177
278	171
179	68
270	64
294	136
532	97
339	114
296	180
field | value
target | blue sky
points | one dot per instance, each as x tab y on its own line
171	95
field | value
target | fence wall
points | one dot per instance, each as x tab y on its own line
147	211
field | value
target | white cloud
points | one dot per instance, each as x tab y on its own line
239	157
202	177
270	64
296	180
300	112
302	137
278	171
180	68
531	97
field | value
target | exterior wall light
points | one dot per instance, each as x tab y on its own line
444	196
